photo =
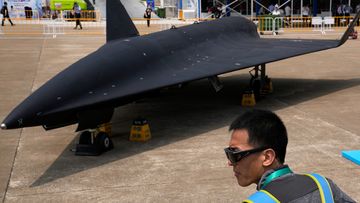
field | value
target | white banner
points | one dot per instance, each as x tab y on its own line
19	5
189	4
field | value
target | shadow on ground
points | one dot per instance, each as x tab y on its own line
178	114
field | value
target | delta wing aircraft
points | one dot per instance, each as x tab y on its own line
128	66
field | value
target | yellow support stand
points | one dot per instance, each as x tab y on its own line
106	127
248	99
140	131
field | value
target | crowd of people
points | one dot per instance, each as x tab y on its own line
344	10
339	10
286	11
217	11
341	13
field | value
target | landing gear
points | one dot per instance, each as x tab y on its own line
259	81
93	142
260	85
103	142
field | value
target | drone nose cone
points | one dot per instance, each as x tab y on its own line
9	123
3	126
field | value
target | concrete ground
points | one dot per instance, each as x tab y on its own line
316	95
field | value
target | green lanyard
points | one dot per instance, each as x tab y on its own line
275	175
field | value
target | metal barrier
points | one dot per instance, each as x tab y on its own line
61	26
269	24
290	22
322	24
317	23
328	23
53	27
275	25
298	22
265	24
343	21
278	25
56	27
24	14
86	15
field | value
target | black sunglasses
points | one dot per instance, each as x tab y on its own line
235	155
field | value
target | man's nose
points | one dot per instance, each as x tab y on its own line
229	163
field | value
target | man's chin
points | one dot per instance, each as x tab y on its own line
243	183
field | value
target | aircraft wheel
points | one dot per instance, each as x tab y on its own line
85	138
104	142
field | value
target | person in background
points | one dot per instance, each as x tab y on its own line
261	11
77	13
339	13
357	8
5	13
306	11
271	8
147	15
287	11
276	10
256	152
287	15
347	10
305	14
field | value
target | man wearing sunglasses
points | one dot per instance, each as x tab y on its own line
257	152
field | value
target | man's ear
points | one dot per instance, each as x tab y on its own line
269	157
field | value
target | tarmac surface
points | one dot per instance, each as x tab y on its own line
316	95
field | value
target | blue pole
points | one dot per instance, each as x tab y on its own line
180	9
227	8
315	7
257	8
151	3
199	9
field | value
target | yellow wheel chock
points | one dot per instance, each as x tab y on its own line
140	130
248	99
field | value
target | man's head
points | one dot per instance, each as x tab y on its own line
5	3
258	143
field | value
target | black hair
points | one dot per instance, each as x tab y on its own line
265	129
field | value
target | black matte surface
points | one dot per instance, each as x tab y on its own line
118	22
